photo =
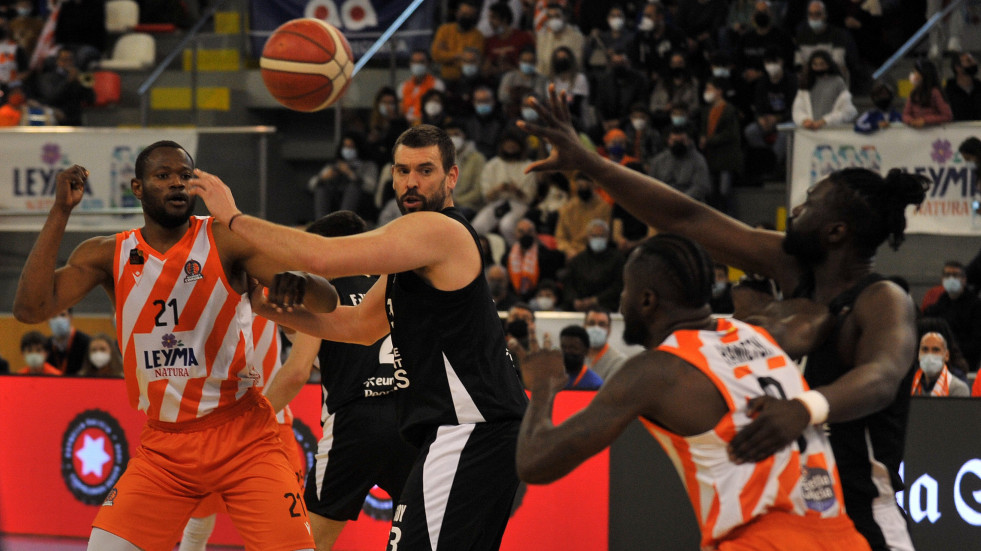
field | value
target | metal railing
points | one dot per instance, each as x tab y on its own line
915	39
190	38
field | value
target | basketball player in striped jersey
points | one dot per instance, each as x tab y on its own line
862	372
689	389
267	350
464	400
183	318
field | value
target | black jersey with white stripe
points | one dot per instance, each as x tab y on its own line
451	344
351	371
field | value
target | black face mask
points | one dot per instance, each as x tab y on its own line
761	19
573	363
562	64
679	73
819	74
621	70
526	241
585	194
971	70
882	104
466	23
678	149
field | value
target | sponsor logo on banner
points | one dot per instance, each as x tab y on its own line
94	454
35	181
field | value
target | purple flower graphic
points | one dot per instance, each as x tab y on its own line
942	151
50	153
169	341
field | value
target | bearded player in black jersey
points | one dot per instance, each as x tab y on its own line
464	402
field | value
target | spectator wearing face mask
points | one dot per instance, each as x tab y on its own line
571	236
964	90
602	358
434	108
677	89
643	140
103	359
619	88
451	39
961	308
547	297
487	123
933	378
345	182
882	115
823	98
523	78
594	277
32	347
504	45
507	189
616	37
926	105
467	195
567	78
67	346
497	281
529	262
574	343
557	33
681	166
615	147
816	33
772	97
655	41
415	87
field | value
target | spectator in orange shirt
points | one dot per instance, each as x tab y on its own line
416	86
452	39
32	346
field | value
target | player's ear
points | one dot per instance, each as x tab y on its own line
452	176
137	186
836	232
649	300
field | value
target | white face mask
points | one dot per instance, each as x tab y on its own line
952	285
709	97
639	124
597	336
34	360
60	326
773	69
100	358
543	303
646	24
433	108
615	23
817	25
349	153
914	78
931	364
469	69
718	289
597	244
556	25
417	69
457	142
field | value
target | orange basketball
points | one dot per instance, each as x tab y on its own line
306	64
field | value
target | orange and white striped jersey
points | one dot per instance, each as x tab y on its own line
268	348
185	334
744	362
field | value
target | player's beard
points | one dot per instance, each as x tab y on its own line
432	203
634	330
804	246
157	211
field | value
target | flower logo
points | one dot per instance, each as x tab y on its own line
169	341
50	153
942	151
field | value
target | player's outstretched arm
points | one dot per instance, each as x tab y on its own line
294	373
728	240
884	354
547	452
43	290
419	240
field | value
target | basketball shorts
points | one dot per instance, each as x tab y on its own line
460	491
779	531
214	504
361	448
235	451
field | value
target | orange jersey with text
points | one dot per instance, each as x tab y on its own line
185	334
744	362
267	349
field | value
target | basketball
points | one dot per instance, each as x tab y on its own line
306	64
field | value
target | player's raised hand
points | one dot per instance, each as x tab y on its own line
70	187
544	371
215	194
555	126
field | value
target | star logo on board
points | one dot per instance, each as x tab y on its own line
93	455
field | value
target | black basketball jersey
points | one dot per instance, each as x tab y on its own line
452	345
876	440
352	371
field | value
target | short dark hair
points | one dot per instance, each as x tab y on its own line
875	207
32	338
954	264
502	10
598	310
577	332
426	135
338	224
141	159
971	146
679	268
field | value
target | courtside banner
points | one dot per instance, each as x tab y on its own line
31	159
931	152
361	21
64	441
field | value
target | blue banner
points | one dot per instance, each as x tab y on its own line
361	21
